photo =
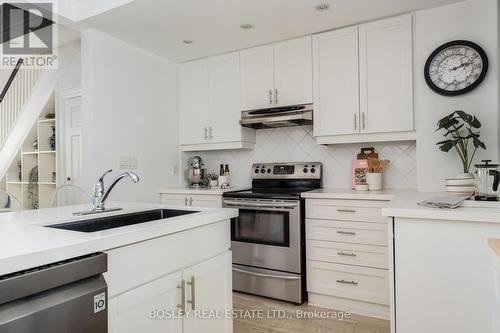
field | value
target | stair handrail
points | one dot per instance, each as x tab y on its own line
11	79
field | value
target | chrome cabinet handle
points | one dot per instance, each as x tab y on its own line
266	275
206	133
261	204
355	122
346	254
363	120
210	130
190	201
185	201
270	97
192	300
276	96
354	283
346	210
182	287
346	232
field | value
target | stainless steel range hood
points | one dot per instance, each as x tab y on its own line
295	115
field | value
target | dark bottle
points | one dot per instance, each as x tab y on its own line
221	171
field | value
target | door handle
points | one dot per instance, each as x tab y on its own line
270	97
206	133
354	283
346	210
210	130
185	201
346	254
182	288
193	290
271	276
276	96
363	120
346	232
355	122
190	201
68	179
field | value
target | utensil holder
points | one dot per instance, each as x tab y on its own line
374	180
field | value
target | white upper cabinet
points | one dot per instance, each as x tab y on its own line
293	72
276	75
193	102
336	98
385	54
257	78
209	105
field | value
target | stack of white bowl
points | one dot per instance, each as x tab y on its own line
461	186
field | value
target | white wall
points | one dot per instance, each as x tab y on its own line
129	109
475	20
73	74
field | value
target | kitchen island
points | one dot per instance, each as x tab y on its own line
162	265
443	273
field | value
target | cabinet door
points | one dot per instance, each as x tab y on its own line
193	102
174	199
257	78
224	98
336	82
210	289
385	52
143	309
293	72
205	201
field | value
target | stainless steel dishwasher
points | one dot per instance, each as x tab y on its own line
68	296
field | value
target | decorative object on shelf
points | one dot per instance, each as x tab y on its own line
50	115
54	177
33	187
225	177
461	130
213	178
374	175
52	139
362	187
20	171
487	181
35	145
196	173
456	68
360	166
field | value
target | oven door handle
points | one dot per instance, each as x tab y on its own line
266	275
240	204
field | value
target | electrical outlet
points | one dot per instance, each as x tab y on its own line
128	162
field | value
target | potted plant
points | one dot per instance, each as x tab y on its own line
213	178
461	129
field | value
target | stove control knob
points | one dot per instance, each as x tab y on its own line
262	170
256	170
268	170
305	170
313	170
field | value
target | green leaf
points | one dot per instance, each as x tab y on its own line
478	143
469	119
447	146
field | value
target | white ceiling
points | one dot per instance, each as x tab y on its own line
214	25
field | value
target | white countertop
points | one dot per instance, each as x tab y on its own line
348	194
26	243
405	205
194	191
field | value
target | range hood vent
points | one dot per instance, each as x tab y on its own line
287	116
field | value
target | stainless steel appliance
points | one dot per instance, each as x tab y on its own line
196	173
487	181
268	240
286	116
67	296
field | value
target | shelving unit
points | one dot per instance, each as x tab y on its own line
17	178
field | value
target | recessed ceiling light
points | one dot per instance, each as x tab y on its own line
246	26
187	41
322	7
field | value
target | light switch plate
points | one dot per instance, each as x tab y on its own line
128	162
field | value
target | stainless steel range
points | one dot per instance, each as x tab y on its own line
268	240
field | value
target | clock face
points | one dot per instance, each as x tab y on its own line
456	68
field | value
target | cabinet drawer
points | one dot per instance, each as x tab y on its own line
347	232
359	283
346	210
346	253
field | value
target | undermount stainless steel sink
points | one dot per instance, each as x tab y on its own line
116	221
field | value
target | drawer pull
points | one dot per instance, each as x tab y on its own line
354	283
346	232
346	254
346	210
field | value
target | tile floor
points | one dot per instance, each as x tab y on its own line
247	304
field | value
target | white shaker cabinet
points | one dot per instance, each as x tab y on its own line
336	82
193	102
293	72
385	65
188	199
209	105
257	77
276	75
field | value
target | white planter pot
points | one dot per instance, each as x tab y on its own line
374	181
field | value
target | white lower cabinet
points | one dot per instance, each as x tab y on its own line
194	200
347	254
153	289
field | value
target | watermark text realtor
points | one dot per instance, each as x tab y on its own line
28	32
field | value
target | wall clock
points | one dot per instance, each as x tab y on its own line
456	68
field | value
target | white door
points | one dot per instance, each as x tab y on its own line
293	72
385	54
210	289
224	98
72	109
336	82
145	308
193	102
257	78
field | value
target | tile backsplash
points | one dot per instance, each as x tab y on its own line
297	144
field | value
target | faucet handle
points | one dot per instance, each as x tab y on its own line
103	175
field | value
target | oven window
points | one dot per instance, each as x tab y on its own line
262	227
